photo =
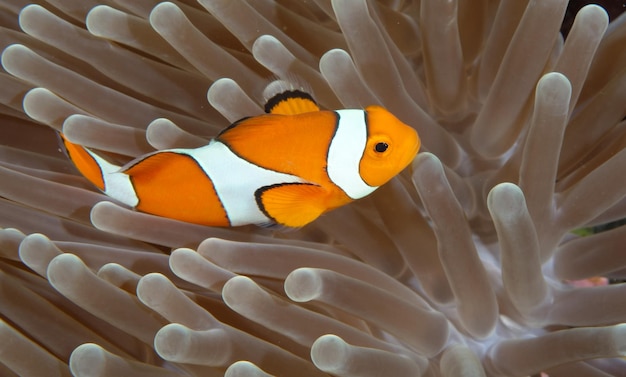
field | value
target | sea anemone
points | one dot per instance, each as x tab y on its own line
461	266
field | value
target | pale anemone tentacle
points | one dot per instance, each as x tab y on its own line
497	126
19	350
172	24
89	131
332	354
266	49
245	369
162	133
461	265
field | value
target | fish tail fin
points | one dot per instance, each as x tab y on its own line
101	173
86	161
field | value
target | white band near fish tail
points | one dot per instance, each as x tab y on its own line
345	152
117	185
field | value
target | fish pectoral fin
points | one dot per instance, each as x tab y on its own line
292	204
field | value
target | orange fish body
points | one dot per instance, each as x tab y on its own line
287	167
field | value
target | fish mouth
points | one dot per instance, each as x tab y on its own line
411	153
416	148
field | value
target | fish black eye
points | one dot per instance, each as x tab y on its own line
381	147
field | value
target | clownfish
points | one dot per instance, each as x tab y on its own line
286	167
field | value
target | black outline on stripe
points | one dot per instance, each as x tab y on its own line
230	148
132	183
366	121
66	151
261	208
258	196
231	126
219	199
337	119
367	135
284	96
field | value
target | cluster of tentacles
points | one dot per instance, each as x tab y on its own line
462	265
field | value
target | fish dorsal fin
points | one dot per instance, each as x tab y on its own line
291	102
292	204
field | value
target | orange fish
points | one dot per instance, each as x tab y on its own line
286	167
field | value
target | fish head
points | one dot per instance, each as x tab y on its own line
391	146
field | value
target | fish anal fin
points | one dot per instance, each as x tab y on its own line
292	204
291	102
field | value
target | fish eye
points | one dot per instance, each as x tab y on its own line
381	147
